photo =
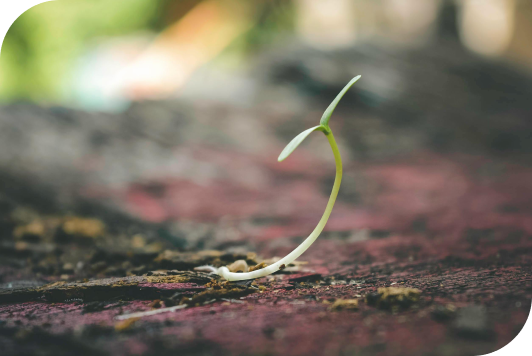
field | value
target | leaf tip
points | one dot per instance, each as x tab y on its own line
327	114
295	142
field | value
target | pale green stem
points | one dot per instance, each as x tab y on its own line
292	256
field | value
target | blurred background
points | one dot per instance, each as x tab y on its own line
99	56
138	135
173	113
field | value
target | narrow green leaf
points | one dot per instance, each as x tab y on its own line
327	114
295	142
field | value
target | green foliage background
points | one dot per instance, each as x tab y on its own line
41	45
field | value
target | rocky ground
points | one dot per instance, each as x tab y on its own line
427	252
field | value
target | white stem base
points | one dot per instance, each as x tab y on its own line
298	251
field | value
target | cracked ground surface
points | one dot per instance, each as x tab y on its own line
427	251
66	278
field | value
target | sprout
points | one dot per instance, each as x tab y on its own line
292	256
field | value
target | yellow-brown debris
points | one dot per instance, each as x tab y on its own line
126	324
36	228
393	297
238	266
345	304
399	293
168	279
83	227
258	266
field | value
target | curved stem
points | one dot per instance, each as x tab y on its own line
298	251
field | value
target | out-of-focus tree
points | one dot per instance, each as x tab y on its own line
100	45
97	52
43	43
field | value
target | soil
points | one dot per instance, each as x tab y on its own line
444	282
427	251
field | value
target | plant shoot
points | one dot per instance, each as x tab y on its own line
298	251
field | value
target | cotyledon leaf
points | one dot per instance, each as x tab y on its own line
327	114
295	142
299	250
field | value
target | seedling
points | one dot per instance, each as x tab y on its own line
292	256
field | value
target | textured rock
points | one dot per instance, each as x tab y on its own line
431	236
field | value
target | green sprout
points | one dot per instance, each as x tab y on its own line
292	256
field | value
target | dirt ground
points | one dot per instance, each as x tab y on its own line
459	282
427	252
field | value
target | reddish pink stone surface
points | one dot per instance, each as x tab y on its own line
439	224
